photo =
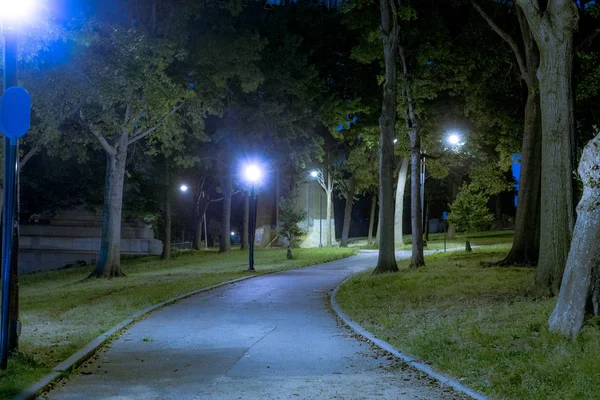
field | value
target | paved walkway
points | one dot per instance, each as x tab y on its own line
271	337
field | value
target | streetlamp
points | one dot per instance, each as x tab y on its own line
253	174
315	174
453	139
15	109
184	188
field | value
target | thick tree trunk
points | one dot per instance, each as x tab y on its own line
581	283
109	259
553	29
348	212
166	253
386	261
226	190
372	218
399	214
417	259
526	241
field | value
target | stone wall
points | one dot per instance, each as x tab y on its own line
73	237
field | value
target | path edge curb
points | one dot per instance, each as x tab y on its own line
82	355
382	344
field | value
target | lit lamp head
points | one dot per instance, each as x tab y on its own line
183	188
14	12
314	174
253	173
454	139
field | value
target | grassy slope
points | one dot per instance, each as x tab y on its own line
62	311
478	324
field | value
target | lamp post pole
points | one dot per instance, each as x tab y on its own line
423	222
10	227
252	230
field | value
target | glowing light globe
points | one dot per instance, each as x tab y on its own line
252	173
183	188
454	139
16	11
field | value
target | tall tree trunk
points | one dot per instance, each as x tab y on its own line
417	259
399	215
386	261
553	30
526	240
581	283
329	191
198	237
226	190
166	253
372	218
245	242
451	227
348	212
498	210
109	259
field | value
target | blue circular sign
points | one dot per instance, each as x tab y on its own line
15	112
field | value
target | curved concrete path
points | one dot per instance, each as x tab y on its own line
272	337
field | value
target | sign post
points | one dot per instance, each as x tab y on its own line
445	218
15	108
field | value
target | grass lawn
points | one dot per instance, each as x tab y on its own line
62	311
436	240
479	325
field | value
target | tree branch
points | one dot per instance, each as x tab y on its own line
110	150
507	38
532	12
139	134
33	151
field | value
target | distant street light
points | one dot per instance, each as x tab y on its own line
184	188
253	174
453	139
315	174
15	111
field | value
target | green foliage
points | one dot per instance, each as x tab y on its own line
489	179
290	217
469	212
